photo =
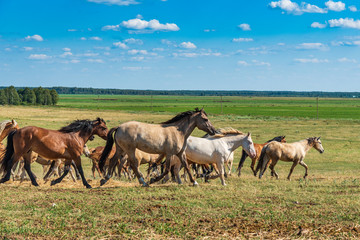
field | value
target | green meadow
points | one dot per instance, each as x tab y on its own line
325	206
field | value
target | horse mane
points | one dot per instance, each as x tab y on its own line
77	126
182	115
3	125
277	139
223	132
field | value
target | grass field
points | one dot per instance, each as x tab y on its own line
326	206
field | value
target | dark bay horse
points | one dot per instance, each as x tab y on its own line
258	148
66	143
166	139
289	152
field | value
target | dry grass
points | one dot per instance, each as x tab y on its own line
325	206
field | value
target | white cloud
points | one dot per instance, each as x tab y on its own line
136	68
120	45
153	25
345	23
158	49
242	40
319	46
28	48
244	27
139	16
74	61
83	38
111	27
344	59
66	54
89	54
115	2
135	51
209	30
167	42
310	60
260	63
96	38
335	6
35	38
39	57
95	60
345	43
66	49
294	8
138	58
353	8
72	30
133	41
242	63
318	25
188	45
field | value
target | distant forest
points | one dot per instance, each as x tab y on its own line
28	96
100	91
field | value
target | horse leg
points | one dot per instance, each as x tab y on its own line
306	168
163	173
81	172
177	168
112	163
252	166
292	169
241	163
183	160
54	169
264	165
76	170
93	170
27	162
273	173
71	171
134	164
66	171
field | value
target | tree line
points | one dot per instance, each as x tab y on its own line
100	91
28	96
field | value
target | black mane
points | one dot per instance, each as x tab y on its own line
181	116
277	139
78	125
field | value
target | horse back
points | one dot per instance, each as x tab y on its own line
284	151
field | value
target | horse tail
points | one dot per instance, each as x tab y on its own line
9	152
261	159
242	160
107	149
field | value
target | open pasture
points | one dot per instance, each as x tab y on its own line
325	206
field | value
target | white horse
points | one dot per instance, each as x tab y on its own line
217	149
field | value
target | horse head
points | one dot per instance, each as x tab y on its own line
248	146
316	143
99	128
202	121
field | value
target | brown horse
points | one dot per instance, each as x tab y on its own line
258	148
67	143
288	152
166	139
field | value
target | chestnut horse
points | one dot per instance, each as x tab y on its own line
258	148
166	139
67	143
288	152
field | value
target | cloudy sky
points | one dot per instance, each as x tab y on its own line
181	44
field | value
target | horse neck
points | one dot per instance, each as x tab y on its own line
305	145
185	126
83	138
234	142
4	134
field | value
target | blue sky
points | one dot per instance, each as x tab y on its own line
171	44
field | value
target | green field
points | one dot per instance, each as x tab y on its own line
326	206
263	107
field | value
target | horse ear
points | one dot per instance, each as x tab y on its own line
12	121
318	138
249	134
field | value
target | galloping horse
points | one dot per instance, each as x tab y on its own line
166	139
218	148
258	148
67	143
288	152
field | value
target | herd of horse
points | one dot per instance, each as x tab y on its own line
134	143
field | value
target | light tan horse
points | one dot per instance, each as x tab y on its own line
5	128
288	152
167	139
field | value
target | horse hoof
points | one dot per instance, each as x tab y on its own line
195	184
152	180
145	185
102	182
88	186
53	183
